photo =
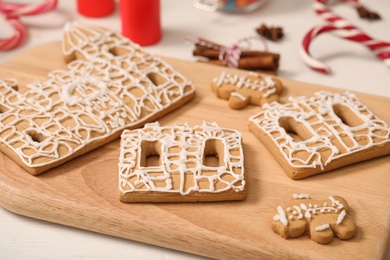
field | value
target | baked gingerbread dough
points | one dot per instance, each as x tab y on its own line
110	85
241	90
320	219
313	135
182	172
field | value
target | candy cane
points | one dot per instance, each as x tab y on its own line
343	29
12	12
31	9
17	38
325	13
380	49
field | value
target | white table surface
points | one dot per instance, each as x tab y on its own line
354	68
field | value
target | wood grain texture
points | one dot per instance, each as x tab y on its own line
83	193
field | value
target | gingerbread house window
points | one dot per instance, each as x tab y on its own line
296	130
3	109
156	78
213	153
150	153
35	136
346	115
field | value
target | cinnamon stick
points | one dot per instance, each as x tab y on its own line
219	63
214	54
253	63
249	60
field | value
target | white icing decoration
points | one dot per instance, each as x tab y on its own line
266	86
323	227
341	217
219	81
336	203
301	196
100	95
307	211
320	107
298	212
281	216
238	95
192	143
81	85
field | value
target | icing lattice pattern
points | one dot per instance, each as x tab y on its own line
182	151
325	132
112	85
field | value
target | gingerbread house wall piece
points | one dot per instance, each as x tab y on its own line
313	135
182	173
89	104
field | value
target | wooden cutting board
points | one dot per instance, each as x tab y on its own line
83	193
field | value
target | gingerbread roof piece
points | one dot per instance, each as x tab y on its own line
183	172
110	85
308	136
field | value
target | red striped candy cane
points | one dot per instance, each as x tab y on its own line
341	28
12	12
380	49
31	9
18	36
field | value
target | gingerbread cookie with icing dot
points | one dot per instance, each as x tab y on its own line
308	136
252	88
320	219
190	164
110	85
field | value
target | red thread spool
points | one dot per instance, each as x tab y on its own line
141	21
95	8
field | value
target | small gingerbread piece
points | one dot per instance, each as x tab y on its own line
320	219
251	89
191	164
